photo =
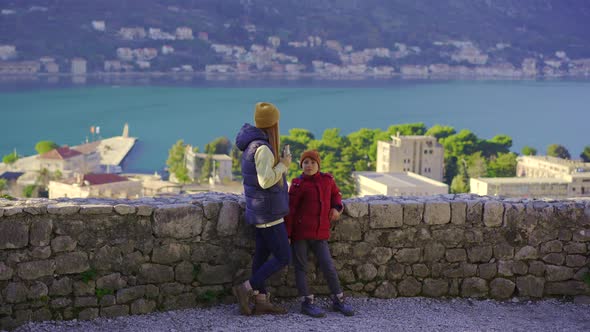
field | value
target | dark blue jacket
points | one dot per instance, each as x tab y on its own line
262	205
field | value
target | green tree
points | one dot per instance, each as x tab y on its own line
498	144
504	165
360	149
528	151
29	190
207	168
439	131
451	169
45	146
236	161
3	185
176	162
407	129
476	165
10	159
559	151
459	185
585	155
463	143
221	145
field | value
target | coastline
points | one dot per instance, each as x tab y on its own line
252	76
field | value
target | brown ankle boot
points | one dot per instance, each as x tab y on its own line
243	295
263	305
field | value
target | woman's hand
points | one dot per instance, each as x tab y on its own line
286	160
334	214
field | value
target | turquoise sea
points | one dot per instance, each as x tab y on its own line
535	113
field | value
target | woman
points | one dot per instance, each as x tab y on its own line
267	203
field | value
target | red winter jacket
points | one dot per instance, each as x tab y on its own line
310	200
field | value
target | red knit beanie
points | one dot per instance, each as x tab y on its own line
312	154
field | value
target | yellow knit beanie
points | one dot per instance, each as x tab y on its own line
266	115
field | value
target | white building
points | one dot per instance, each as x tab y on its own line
539	177
397	184
78	66
222	166
99	25
419	154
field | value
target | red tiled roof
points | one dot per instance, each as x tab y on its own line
60	153
95	179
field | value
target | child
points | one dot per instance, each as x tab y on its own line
314	202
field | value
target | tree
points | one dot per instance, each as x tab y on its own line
10	159
528	151
43	177
407	129
585	155
476	165
236	160
463	143
176	162
207	168
3	184
221	145
29	190
498	144
459	185
451	169
45	146
439	131
504	165
559	151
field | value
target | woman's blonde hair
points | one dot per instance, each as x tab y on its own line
275	142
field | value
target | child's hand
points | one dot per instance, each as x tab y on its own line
334	214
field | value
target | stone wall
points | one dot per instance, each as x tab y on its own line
65	259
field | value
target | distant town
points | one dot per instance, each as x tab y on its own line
406	165
463	58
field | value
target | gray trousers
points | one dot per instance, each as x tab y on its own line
322	253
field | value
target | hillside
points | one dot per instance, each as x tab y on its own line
507	30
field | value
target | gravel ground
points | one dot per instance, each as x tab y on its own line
402	314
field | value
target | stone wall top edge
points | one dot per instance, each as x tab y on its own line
39	205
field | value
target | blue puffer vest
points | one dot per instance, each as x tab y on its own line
262	205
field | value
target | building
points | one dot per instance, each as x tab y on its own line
96	185
69	161
20	67
418	154
184	33
78	66
520	187
397	184
99	25
537	177
221	171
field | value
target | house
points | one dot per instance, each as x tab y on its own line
67	161
95	185
220	172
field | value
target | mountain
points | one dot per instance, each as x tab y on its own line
506	30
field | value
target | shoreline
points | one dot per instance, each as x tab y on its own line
105	76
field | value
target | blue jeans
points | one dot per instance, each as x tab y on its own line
272	240
321	250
